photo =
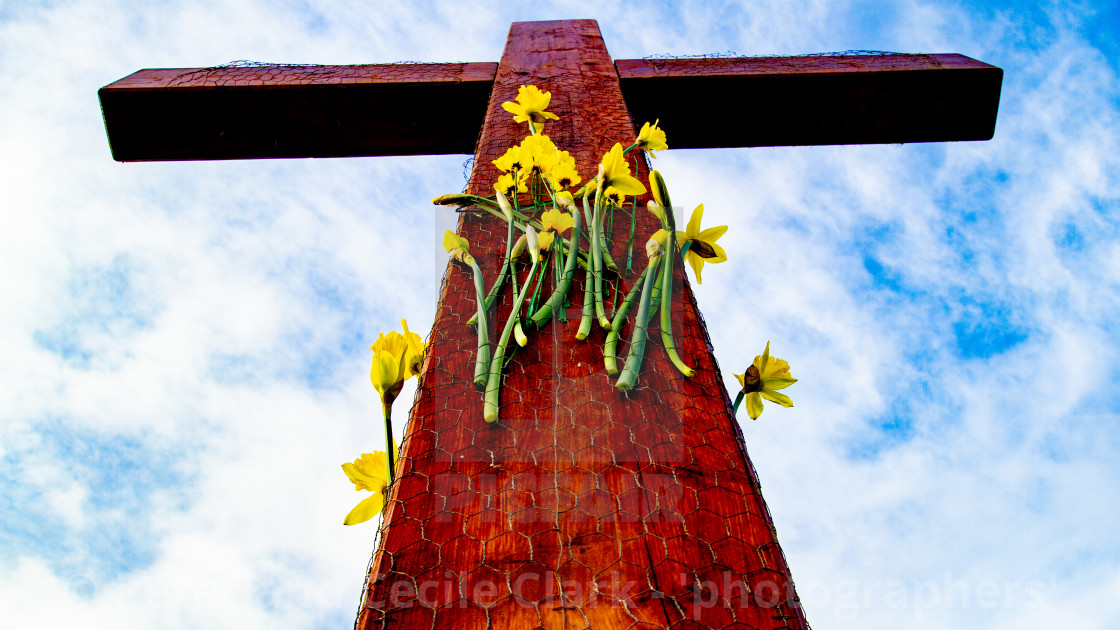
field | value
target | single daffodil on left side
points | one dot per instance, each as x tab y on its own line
396	358
367	473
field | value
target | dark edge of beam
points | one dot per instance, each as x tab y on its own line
296	111
814	100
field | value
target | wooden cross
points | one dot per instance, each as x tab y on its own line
582	507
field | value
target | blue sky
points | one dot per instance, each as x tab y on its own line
183	346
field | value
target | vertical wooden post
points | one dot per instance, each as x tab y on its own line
581	507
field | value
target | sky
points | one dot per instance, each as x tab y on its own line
183	346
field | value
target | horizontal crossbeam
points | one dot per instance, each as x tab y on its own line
296	111
424	109
811	100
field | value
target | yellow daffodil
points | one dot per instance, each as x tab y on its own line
510	186
396	358
530	106
615	172
702	243
533	154
457	246
553	223
613	196
368	472
762	380
561	171
511	160
651	138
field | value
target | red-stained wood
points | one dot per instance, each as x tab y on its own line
814	100
581	507
296	111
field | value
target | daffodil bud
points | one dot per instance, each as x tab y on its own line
454	199
519	248
655	210
458	247
653	248
504	204
661	195
565	200
534	244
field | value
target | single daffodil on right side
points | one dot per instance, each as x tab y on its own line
762	380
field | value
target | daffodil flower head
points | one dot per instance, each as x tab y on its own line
614	171
510	185
369	472
553	223
396	358
651	138
457	246
762	379
613	196
702	246
530	106
561	172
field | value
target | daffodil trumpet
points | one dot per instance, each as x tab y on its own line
636	354
493	383
661	196
556	301
610	359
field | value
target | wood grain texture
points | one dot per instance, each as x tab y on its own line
296	111
582	507
814	100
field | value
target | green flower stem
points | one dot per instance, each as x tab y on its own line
684	250
667	297
597	257
738	401
492	207
536	292
556	302
630	240
610	360
493	294
608	260
493	384
388	409
636	354
483	360
588	304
